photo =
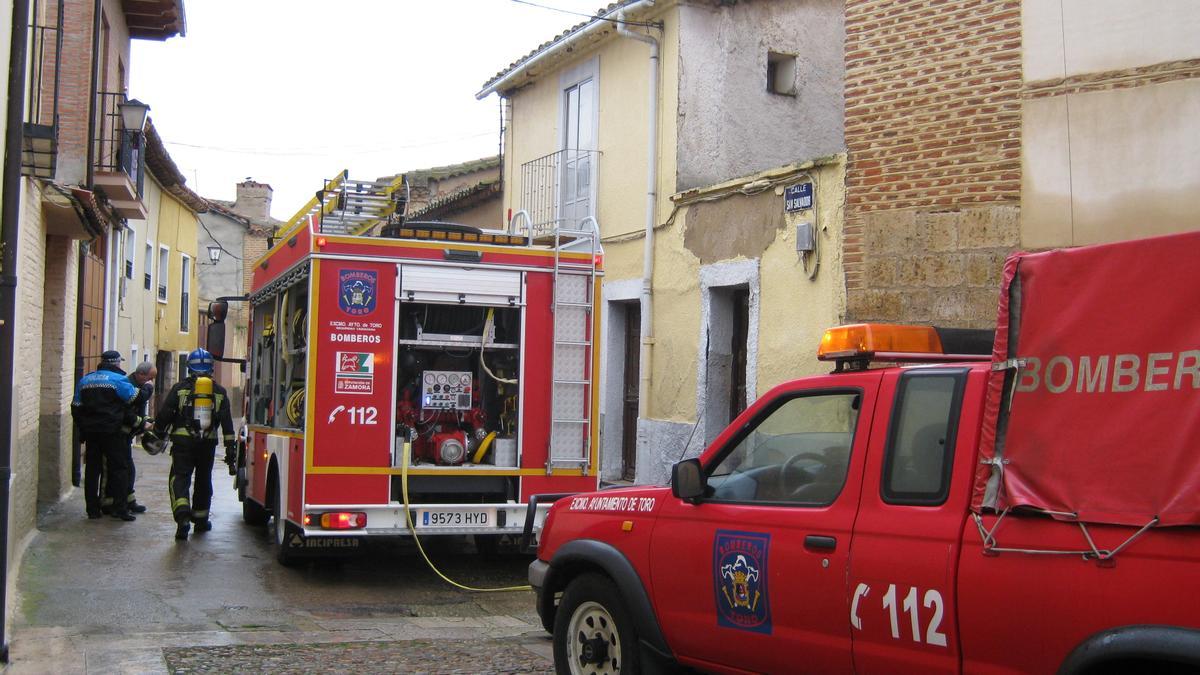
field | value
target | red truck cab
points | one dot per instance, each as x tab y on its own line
843	523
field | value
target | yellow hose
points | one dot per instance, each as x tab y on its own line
483	448
413	530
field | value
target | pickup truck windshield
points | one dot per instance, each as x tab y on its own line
798	453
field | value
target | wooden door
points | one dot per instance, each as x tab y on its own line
629	399
738	350
91	307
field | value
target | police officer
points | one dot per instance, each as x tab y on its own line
192	411
101	407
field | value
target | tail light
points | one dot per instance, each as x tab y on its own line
344	520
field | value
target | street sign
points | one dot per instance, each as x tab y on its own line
798	197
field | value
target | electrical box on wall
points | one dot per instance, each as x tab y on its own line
804	236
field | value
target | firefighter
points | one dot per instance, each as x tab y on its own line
192	412
101	406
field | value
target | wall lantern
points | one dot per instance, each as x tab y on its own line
133	115
214	254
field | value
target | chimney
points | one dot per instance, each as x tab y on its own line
253	200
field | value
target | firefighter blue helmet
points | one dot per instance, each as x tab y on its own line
200	361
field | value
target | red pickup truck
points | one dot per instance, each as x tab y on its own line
1033	507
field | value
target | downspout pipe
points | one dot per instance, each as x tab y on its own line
97	18
647	334
10	213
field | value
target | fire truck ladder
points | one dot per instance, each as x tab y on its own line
571	388
356	207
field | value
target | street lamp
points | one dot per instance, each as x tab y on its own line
214	254
133	115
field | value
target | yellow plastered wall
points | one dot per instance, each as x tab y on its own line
797	309
177	230
535	129
793	309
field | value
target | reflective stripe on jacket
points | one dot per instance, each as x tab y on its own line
177	415
102	402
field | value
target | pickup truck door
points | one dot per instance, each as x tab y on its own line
906	541
753	576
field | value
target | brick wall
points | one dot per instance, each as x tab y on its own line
75	84
27	395
58	358
933	115
253	247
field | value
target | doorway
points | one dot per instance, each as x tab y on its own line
728	360
630	400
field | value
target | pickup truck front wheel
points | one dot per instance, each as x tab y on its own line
592	630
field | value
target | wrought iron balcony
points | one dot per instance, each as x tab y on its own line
39	152
558	190
120	162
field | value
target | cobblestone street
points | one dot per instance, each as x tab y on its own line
103	596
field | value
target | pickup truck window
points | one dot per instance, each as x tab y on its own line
921	440
797	454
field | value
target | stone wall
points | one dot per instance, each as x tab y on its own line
933	121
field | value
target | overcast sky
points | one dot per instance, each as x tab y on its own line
290	92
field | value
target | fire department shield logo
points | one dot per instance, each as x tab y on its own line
740	580
357	291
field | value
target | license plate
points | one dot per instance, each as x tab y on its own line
456	518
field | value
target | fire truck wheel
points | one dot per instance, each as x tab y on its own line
254	513
282	532
592	629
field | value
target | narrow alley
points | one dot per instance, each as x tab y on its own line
104	596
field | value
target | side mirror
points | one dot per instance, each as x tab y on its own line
216	340
217	311
687	480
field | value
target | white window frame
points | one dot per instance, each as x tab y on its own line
130	270
164	269
185	294
148	262
569	79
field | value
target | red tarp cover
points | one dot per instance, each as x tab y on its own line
1105	418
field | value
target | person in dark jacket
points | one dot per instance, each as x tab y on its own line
101	407
142	377
192	411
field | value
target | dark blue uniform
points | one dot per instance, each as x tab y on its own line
103	407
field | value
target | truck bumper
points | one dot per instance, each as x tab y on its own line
538	571
428	519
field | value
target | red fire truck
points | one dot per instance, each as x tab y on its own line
414	378
943	502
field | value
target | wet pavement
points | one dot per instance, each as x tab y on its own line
105	596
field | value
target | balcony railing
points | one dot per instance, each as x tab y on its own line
40	149
558	190
117	149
